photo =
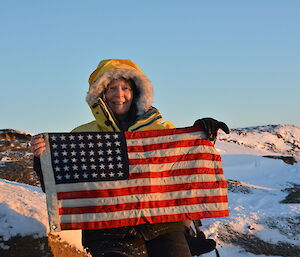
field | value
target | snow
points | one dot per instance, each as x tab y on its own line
255	211
270	139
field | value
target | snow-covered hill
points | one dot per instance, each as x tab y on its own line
268	140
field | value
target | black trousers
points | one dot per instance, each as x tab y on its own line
171	244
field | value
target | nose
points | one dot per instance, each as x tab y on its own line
119	92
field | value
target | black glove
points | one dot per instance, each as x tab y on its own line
211	127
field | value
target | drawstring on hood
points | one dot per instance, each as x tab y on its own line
112	69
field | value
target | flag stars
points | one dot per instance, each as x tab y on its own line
56	161
81	145
100	152
84	167
91	145
92	159
103	175
62	137
66	168
109	151
74	160
118	151
93	166
67	176
80	137
107	136
91	152
57	169
54	146
72	145
64	153
64	146
65	160
85	175
98	136
110	166
53	138
110	159
119	158
99	144
102	166
73	153
75	167
94	175
108	143
83	159
118	143
76	176
120	174
71	137
90	137
101	159
111	174
82	153
120	165
116	136
55	154
59	177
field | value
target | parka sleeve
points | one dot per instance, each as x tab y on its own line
38	170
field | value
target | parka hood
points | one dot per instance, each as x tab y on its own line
112	69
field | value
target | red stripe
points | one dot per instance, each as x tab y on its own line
142	205
176	158
144	220
160	132
139	190
173	173
167	145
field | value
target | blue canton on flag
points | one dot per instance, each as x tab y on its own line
82	157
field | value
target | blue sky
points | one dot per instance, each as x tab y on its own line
236	61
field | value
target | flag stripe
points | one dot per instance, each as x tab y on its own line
169	145
169	138
176	158
139	182
178	172
141	205
170	210
141	220
150	197
177	165
161	132
139	190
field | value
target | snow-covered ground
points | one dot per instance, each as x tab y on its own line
255	208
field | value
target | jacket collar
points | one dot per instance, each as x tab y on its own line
108	122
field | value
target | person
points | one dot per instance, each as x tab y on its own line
120	97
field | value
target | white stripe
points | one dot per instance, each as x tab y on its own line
87	217
139	182
168	138
173	152
145	197
174	166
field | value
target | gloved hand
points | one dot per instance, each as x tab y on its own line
211	127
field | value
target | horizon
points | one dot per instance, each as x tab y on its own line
237	62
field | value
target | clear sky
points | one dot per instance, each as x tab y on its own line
236	61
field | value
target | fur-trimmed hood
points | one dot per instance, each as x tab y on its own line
112	69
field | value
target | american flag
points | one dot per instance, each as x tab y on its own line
97	180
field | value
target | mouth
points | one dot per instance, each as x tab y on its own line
119	103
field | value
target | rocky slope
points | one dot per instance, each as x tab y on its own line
272	139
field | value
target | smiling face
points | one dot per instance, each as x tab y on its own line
119	97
